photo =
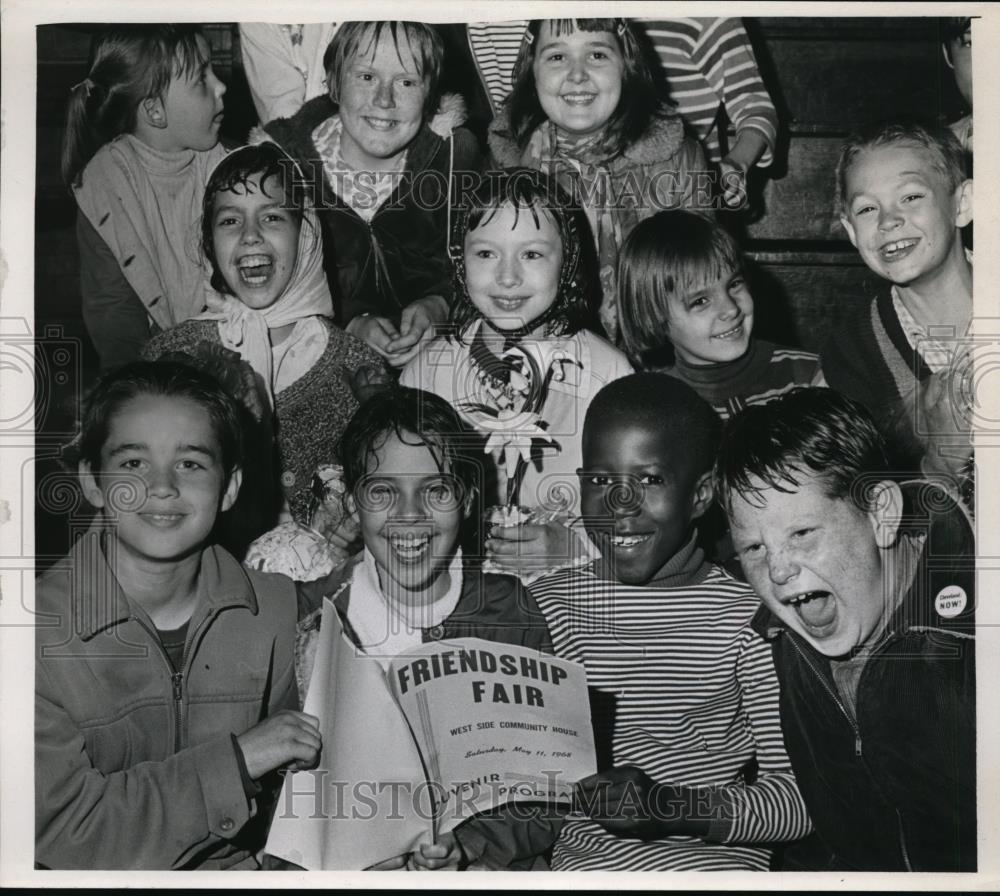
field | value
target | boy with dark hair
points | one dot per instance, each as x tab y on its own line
164	685
665	638
868	593
903	197
956	44
412	478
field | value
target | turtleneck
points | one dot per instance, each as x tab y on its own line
159	162
719	382
687	567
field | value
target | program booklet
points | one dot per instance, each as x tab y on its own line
451	729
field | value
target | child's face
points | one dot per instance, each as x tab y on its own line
712	324
256	241
901	214
637	501
815	562
192	106
410	514
161	478
512	266
578	76
382	95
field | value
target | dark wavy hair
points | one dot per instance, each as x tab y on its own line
642	98
806	433
415	417
128	64
534	193
155	378
260	162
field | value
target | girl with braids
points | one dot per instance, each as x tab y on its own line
142	134
521	365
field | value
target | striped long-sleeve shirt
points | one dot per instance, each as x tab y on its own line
710	66
695	700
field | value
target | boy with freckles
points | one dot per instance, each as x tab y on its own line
904	198
867	584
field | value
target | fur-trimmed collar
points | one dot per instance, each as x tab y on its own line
662	140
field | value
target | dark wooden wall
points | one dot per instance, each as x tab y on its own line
827	77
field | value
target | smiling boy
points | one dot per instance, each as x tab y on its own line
665	638
903	198
867	586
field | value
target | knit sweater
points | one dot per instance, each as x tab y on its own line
764	372
311	413
683	688
869	359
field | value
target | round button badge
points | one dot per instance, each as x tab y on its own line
950	601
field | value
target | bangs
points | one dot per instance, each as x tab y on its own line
189	58
568	26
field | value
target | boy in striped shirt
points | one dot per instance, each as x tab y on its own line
685	696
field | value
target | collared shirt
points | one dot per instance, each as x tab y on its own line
363	191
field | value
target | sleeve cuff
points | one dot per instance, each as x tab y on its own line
250	787
227	808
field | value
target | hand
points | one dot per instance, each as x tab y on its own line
445	855
626	802
396	863
416	326
378	332
734	182
945	427
531	546
288	739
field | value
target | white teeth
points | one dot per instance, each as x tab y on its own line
254	261
804	598
408	545
731	334
897	246
628	541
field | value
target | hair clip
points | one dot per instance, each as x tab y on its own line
86	83
622	27
529	38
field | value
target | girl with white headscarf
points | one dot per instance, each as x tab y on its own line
270	306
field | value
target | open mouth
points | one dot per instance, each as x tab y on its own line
380	124
898	249
163	520
509	303
630	541
735	333
410	548
578	99
255	270
816	609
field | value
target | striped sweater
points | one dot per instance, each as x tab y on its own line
695	702
708	63
710	66
763	373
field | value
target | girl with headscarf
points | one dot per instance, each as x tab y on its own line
270	306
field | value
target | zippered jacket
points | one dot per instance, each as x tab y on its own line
380	267
135	765
891	786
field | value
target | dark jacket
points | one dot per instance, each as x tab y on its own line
893	787
402	255
135	765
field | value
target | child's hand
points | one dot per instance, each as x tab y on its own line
531	546
626	802
378	332
396	863
734	183
945	425
445	855
288	739
416	326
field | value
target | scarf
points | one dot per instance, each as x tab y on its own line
582	165
386	629
146	204
307	296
